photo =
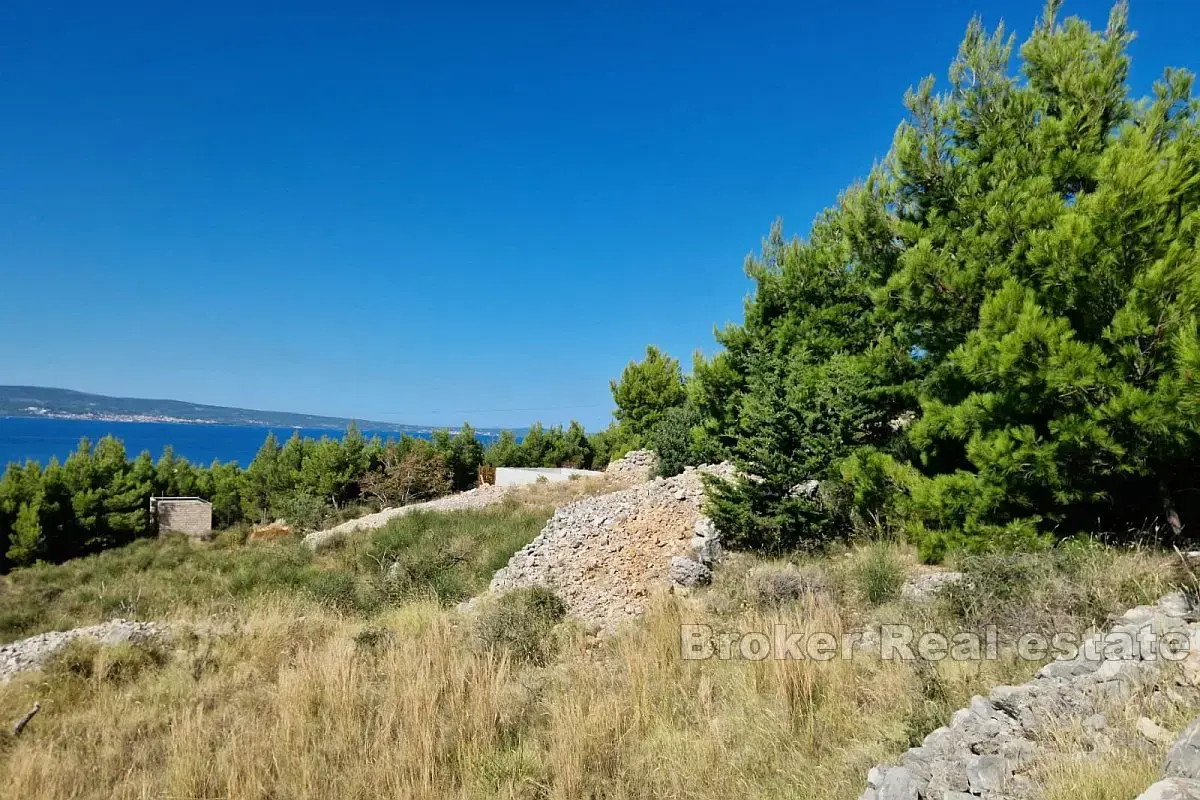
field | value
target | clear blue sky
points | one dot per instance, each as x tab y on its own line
421	214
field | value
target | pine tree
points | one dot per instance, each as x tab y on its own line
643	394
1020	279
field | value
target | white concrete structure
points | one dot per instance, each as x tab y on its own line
518	476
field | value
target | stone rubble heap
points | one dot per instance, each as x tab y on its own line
636	466
987	748
480	497
606	555
33	652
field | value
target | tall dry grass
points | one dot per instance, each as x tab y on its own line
288	700
281	696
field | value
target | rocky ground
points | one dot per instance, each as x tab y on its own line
607	555
33	652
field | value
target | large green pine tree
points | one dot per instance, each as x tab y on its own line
1021	273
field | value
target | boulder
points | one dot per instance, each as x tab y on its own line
688	573
1172	789
1183	759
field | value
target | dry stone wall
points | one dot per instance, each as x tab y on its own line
1181	771
33	652
987	748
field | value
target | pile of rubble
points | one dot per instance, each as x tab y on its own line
607	555
32	653
636	466
987	748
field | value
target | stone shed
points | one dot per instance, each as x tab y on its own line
188	515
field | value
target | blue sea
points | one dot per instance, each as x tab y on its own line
23	438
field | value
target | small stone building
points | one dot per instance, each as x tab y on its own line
188	515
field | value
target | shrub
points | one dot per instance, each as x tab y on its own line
371	638
521	623
86	659
932	707
302	510
342	592
671	440
773	585
122	663
1076	585
76	659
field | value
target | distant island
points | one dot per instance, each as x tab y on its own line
51	403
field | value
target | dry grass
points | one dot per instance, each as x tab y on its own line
1113	764
282	696
555	494
294	701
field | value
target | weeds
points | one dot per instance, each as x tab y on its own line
520	623
775	585
449	556
1078	585
881	574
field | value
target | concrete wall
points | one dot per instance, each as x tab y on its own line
518	476
189	515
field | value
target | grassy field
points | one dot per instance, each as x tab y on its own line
445	556
321	677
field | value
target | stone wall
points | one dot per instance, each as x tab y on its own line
1181	771
987	748
189	515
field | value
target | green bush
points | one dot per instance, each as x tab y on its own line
932	707
521	623
343	592
1076	585
671	439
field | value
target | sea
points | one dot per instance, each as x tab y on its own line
24	438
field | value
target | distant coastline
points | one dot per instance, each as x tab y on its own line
44	413
48	403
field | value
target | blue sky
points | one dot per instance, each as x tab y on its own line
425	213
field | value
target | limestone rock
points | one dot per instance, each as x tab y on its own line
1152	731
688	573
898	784
1183	759
33	652
986	746
636	465
1172	789
923	588
706	542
